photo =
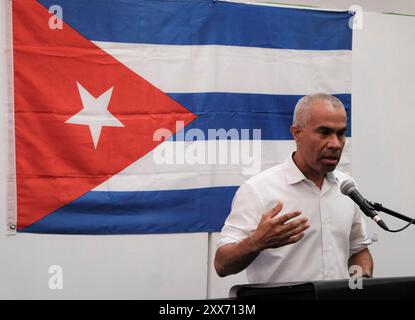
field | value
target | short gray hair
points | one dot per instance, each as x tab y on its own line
302	108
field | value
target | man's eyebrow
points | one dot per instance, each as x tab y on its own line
330	129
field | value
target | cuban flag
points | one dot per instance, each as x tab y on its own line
144	116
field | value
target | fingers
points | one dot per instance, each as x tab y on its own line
288	216
275	236
277	231
298	230
293	239
288	241
274	211
293	224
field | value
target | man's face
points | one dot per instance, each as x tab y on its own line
320	142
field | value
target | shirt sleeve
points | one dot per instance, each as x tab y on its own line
244	217
359	238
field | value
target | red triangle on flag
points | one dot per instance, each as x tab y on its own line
56	159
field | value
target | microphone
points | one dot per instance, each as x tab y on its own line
349	189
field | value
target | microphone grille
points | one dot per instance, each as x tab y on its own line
347	186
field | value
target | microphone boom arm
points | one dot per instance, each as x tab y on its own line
380	207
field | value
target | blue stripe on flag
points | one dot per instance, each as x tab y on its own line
171	211
206	22
272	114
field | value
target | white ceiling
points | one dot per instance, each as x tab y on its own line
384	6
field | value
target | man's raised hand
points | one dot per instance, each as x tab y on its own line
276	230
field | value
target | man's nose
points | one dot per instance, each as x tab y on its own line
335	142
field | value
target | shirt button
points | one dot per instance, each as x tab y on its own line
327	250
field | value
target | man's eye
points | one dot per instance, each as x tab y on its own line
342	133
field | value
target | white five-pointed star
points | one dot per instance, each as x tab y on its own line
95	113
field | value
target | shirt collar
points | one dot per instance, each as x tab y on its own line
295	175
292	172
331	177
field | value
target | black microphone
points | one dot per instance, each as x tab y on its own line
348	188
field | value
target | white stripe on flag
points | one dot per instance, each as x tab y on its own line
215	68
147	175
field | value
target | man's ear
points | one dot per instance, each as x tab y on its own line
296	132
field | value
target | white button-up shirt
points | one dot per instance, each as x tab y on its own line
337	229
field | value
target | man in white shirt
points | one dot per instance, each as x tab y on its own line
291	222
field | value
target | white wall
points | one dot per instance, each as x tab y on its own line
107	267
383	130
181	266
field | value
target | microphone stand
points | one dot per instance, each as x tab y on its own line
379	207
